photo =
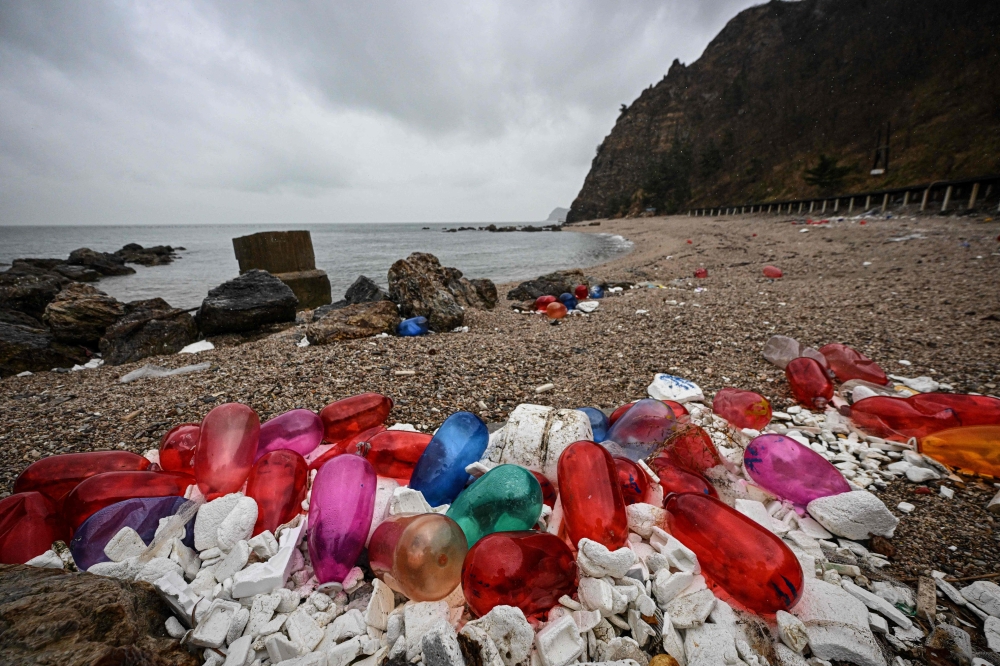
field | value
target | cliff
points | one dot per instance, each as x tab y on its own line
786	82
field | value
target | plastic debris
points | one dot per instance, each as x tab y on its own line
154	372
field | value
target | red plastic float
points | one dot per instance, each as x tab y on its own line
592	502
744	409
632	480
56	476
177	448
29	523
348	417
848	363
103	490
278	483
809	382
226	449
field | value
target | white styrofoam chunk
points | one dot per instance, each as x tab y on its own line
233	562
991	628
280	648
597	594
384	489
156	568
837	624
125	544
213	628
439	647
594	559
407	500
348	625
985	595
481	645
239	653
691	610
666	585
303	631
709	645
680	556
344	653
261	612
669	387
418	619
559	643
535	436
856	515
379	606
47	560
264	577
238	524
210	516
174	627
792	632
510	632
642	518
264	544
877	603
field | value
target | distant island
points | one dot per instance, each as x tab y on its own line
557	215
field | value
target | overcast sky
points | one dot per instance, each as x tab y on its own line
170	112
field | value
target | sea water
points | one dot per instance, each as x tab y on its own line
344	251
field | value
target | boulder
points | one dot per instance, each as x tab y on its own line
28	348
360	320
104	263
133	253
77	619
551	284
364	290
423	287
19	318
246	303
28	293
77	273
149	328
80	314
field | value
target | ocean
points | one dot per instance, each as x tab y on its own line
344	251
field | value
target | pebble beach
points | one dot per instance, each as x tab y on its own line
917	295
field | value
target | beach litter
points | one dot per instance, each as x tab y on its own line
668	528
150	371
196	347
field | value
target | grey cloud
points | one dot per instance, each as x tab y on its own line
345	110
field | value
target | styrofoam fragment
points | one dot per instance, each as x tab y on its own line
642	518
174	627
379	606
510	632
673	644
238	524
878	624
348	625
985	595
559	643
280	648
792	632
406	501
261	578
178	595
264	544
261	611
594	559
239	653
596	594
535	436
384	489
210	516
877	603
418	619
156	568
344	653
709	645
303	631
478	642
680	556
691	609
233	562
439	647
213	628
837	624
125	544
856	515
47	560
666	586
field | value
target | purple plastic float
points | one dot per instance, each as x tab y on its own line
340	515
791	471
142	514
299	430
646	425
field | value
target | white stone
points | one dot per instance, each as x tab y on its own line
239	653
559	643
710	645
877	603
668	387
642	518
812	528
510	632
535	436
238	524
213	628
125	544
597	594
594	559
691	610
174	627
666	586
905	507
792	632
379	606
384	489
946	492
264	577
855	515
985	595
210	516
407	500
47	560
418	619
439	647
837	624
280	648
233	562
264	544
991	628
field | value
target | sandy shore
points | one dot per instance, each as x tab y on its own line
932	300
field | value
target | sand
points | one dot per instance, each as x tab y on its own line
932	300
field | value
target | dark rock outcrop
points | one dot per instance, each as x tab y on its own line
360	320
416	285
364	290
246	303
19	318
30	348
552	284
767	97
133	253
80	314
148	328
104	263
49	616
28	293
